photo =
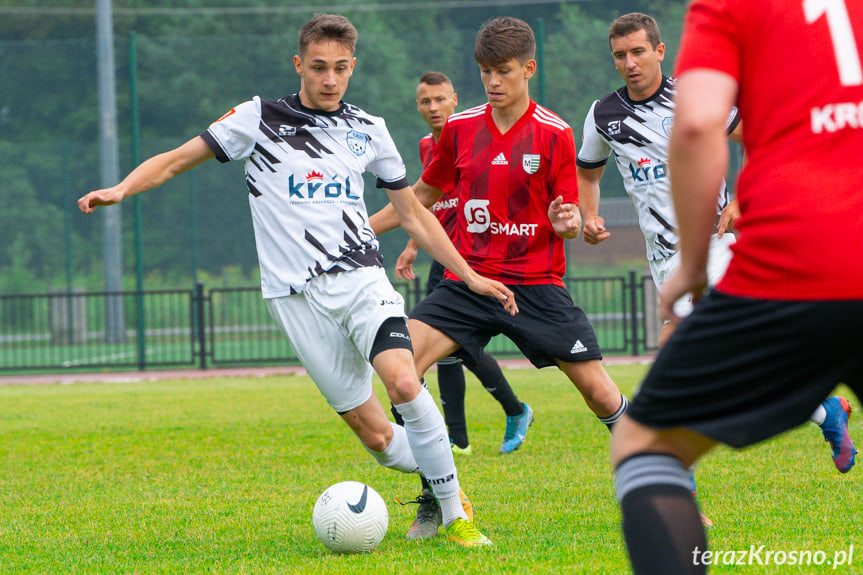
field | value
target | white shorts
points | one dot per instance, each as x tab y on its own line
717	262
332	326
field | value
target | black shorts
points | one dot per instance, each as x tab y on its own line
436	272
742	370
548	327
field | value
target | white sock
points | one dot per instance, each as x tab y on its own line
398	454
819	415
426	433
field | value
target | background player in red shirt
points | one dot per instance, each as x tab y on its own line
785	317
511	163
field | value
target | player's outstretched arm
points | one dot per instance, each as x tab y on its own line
150	174
428	233
565	218
588	204
387	218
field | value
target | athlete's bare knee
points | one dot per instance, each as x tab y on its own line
595	385
377	441
396	369
370	424
404	388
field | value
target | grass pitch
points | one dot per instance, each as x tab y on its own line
220	476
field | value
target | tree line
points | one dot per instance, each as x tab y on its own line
192	66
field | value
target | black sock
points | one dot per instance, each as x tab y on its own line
661	523
450	377
490	375
614	417
396	415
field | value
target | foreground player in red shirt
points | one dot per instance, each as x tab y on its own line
511	164
786	316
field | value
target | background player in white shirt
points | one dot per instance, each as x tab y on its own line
634	122
321	273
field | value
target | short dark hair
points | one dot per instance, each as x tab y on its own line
633	22
433	78
502	39
328	27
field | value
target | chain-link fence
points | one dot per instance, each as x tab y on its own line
190	68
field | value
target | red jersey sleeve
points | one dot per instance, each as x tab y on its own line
440	171
710	39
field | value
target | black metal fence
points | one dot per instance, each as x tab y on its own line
231	326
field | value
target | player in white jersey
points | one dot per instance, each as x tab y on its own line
634	122
321	272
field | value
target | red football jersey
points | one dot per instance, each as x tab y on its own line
801	230
504	184
446	207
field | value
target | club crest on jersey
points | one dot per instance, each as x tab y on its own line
666	125
357	142
614	128
530	163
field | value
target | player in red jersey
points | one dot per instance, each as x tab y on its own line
436	101
511	164
786	315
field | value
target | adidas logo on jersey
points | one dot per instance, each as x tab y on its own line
578	347
500	160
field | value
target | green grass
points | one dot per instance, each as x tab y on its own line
220	476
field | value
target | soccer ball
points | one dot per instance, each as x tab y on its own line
350	517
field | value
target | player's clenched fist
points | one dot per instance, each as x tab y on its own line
107	197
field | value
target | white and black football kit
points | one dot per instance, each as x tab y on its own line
304	170
321	271
637	133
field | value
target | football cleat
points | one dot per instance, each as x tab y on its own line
465	533
835	430
516	430
456	450
428	518
465	504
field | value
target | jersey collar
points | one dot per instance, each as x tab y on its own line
625	93
294	101
489	121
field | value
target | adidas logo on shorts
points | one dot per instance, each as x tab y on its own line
578	347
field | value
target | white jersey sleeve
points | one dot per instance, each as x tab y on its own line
387	166
594	151
237	131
